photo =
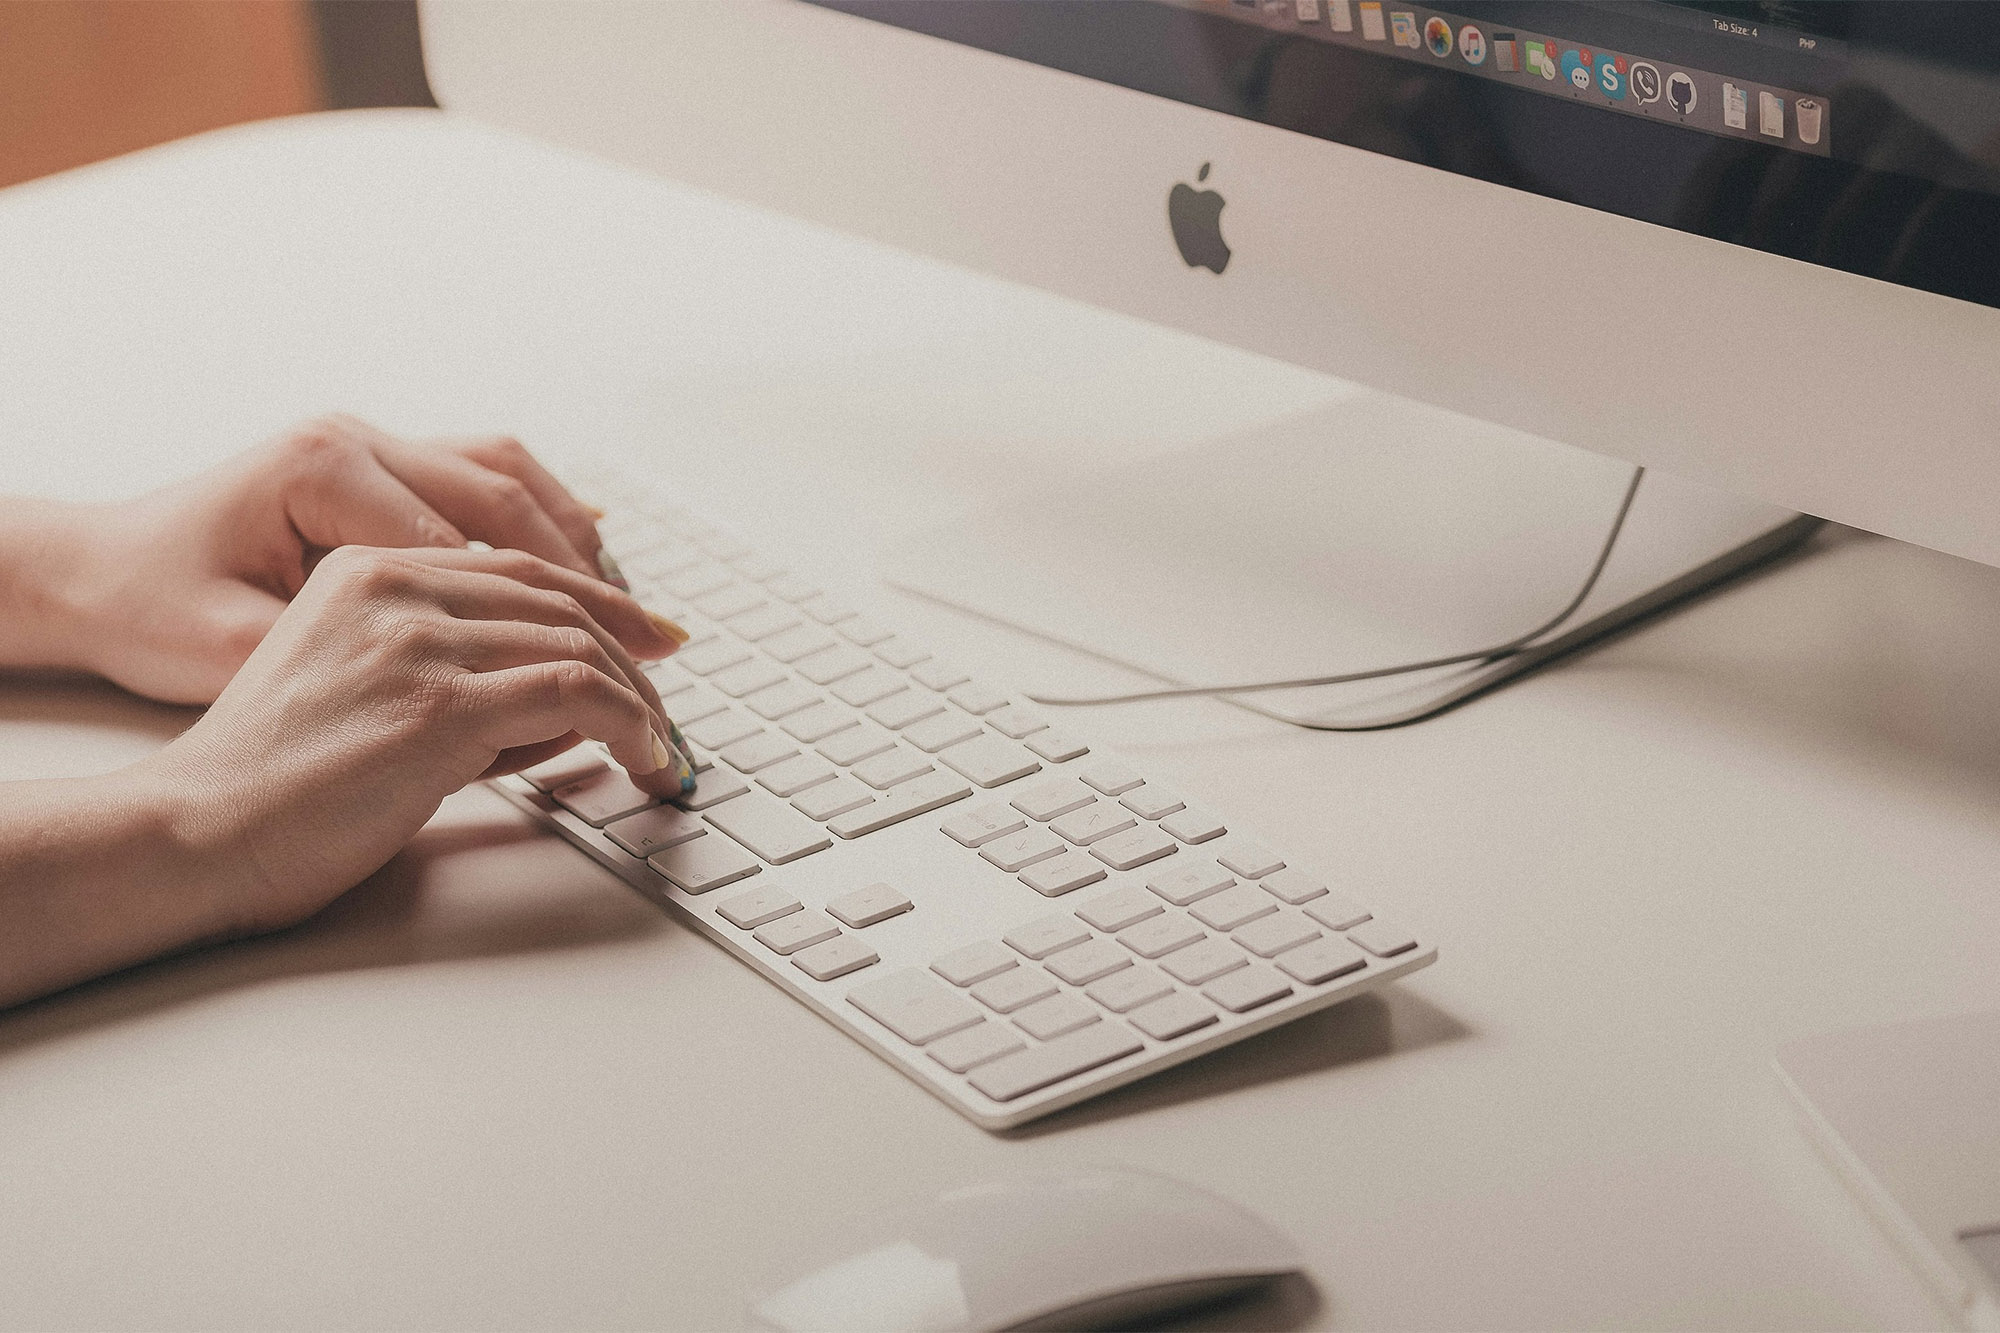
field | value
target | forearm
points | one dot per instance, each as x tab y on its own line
41	612
97	874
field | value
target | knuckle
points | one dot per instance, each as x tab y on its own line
318	444
508	496
578	645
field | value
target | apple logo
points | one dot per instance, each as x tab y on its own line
1196	218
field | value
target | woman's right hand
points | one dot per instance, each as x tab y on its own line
392	680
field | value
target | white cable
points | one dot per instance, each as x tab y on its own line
1499	650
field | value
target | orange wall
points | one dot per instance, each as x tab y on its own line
86	79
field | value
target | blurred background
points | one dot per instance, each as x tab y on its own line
82	80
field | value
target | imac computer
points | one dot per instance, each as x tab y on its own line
1754	247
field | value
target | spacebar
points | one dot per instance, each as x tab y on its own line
912	798
1015	1075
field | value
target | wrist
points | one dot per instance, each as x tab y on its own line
47	606
188	851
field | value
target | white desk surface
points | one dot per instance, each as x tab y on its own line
493	1088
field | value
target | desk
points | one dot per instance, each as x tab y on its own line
493	1088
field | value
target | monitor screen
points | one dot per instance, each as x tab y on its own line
1864	137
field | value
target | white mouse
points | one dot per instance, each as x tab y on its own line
1088	1248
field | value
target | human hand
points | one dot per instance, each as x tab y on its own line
392	680
168	594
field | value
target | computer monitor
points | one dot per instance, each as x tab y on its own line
1753	245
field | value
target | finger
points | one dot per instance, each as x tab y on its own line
337	493
532	705
527	756
486	505
643	632
503	454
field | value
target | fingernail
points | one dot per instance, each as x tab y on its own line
687	784
612	574
596	514
663	757
668	628
680	741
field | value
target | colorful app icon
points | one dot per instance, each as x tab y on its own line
1577	70
1611	71
1646	83
1341	17
1437	36
1506	53
1771	115
1810	110
1371	21
1403	24
1541	60
1735	106
1680	92
1472	45
1307	11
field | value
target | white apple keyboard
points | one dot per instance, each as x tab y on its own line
1015	919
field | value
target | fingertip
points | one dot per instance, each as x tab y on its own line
607	568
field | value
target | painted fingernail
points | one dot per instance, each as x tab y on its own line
668	628
596	514
687	784
612	574
680	741
663	757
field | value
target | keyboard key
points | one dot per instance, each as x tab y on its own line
792	588
1382	939
1252	860
691	706
975	962
975	1046
1134	847
712	788
775	832
1150	802
1174	1016
906	707
722	545
721	730
709	658
1129	989
976	699
867	633
652	830
1111	777
1056	747
1191	883
835	957
569	767
746	678
835	663
1015	721
1333	911
815	724
1052	797
758	752
1234	907
1014	989
754	567
1246	988
856	744
1205	961
921	796
867	686
730	600
794	775
1322	959
990	761
747	911
826	609
761	622
702	864
795	931
891	767
935	733
1120	908
1194	825
1045	934
983	824
1027	1071
1161	934
900	653
832	798
1017	851
1062	874
864	907
782	699
1081	964
697	580
1295	886
796	643
914	1006
1275	934
938	675
1047	1019
1094	822
603	797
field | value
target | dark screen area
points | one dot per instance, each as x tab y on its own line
1909	193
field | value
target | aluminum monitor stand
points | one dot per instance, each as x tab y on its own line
1372	532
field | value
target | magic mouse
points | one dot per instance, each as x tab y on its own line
1090	1248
